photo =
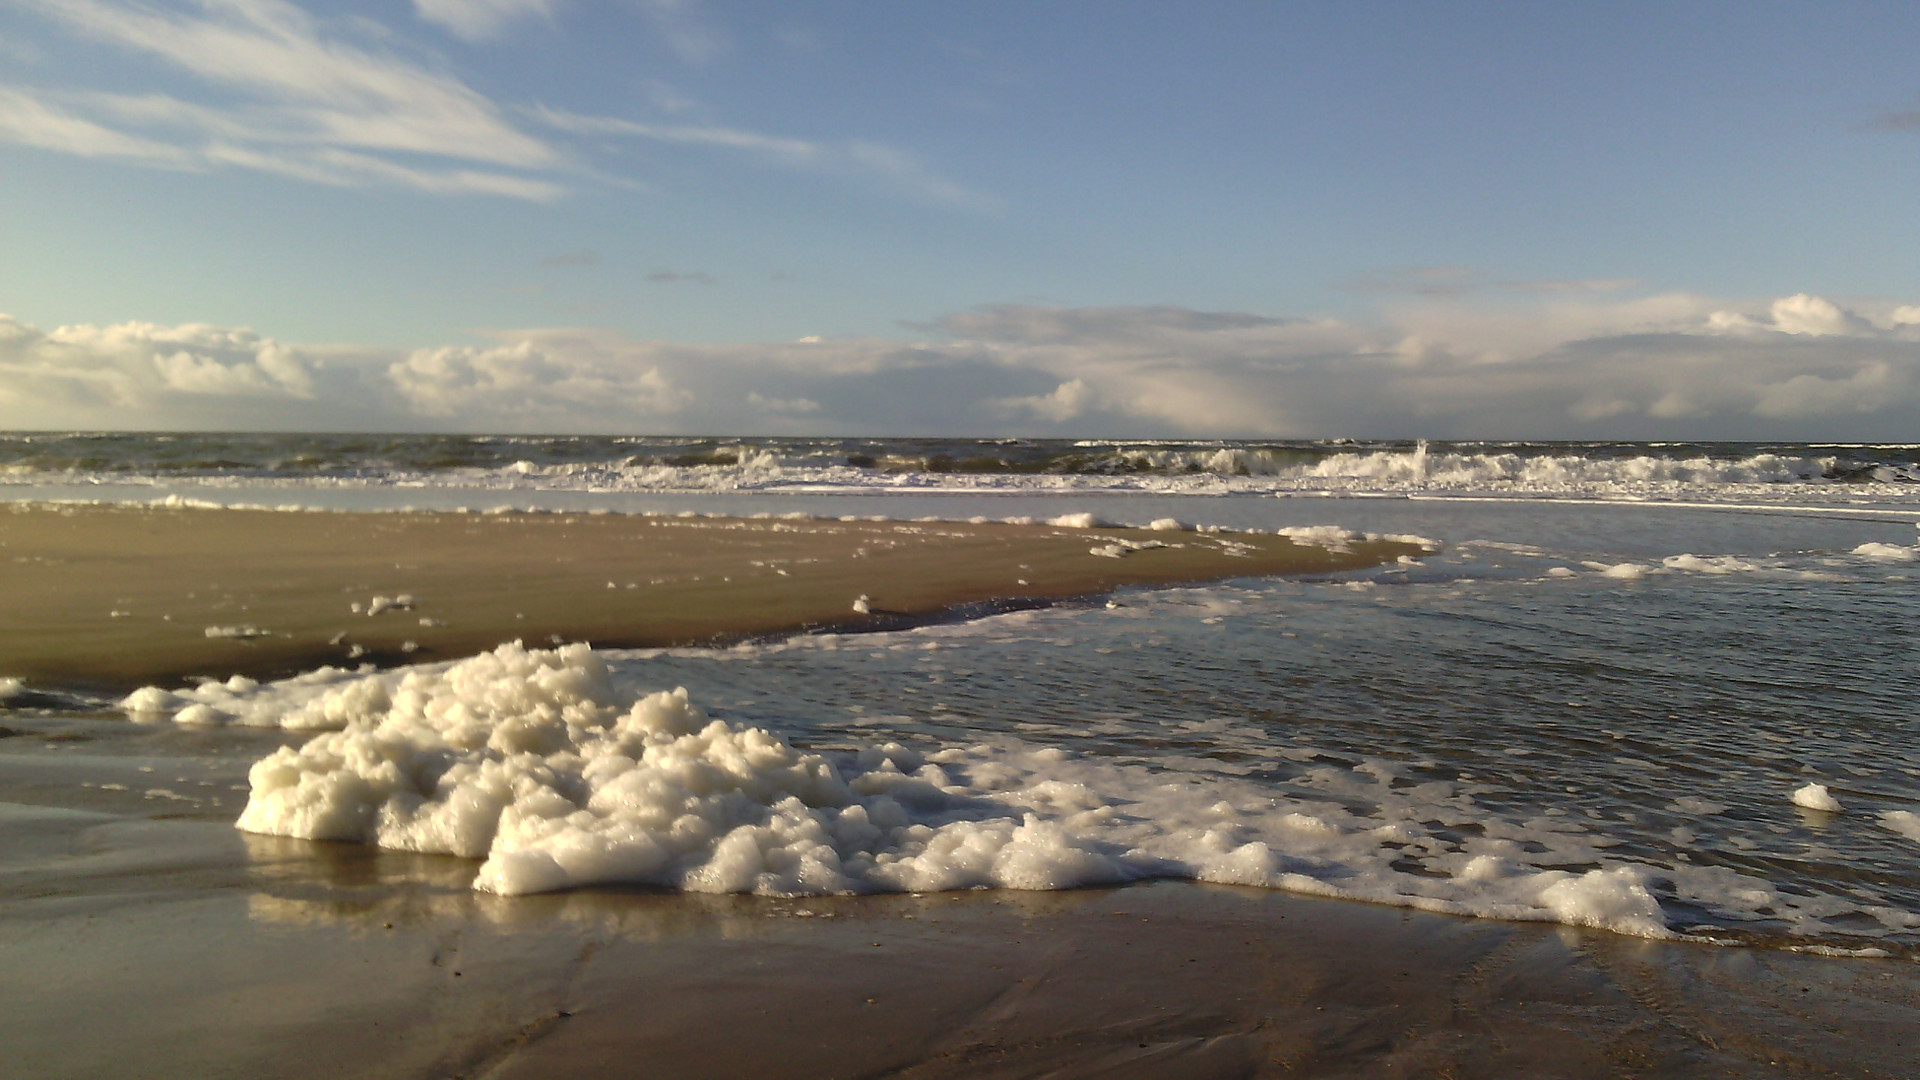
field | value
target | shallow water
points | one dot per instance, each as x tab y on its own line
1568	687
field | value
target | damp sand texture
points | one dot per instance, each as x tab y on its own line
119	596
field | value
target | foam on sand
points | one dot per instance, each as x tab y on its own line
550	768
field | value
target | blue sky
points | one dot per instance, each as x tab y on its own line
1672	220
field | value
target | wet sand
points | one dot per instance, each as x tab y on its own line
120	596
175	946
142	935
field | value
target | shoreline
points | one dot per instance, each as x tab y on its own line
116	596
136	912
327	959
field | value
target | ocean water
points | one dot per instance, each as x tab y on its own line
1667	690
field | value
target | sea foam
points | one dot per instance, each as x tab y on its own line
1605	471
544	765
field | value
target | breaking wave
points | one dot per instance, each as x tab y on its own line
608	464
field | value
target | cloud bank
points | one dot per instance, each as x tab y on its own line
1675	366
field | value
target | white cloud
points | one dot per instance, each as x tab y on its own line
520	383
1814	316
1067	401
313	83
1653	367
281	94
268	86
342	168
477	20
786	406
133	374
770	146
28	120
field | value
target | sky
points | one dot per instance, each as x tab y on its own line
1112	219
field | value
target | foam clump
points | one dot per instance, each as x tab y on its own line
1331	537
1616	899
1816	797
239	632
532	760
1120	549
1079	521
1336	539
1904	822
1625	571
1708	564
1889	552
325	698
546	766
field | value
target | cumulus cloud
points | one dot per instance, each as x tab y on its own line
1067	401
521	384
1556	366
1678	366
141	374
1814	316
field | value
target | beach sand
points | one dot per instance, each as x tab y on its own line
142	935
120	596
179	947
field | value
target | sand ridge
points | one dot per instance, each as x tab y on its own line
119	596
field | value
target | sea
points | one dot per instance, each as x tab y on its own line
1663	689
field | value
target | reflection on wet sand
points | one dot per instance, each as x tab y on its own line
191	949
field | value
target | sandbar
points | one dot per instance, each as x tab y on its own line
119	596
